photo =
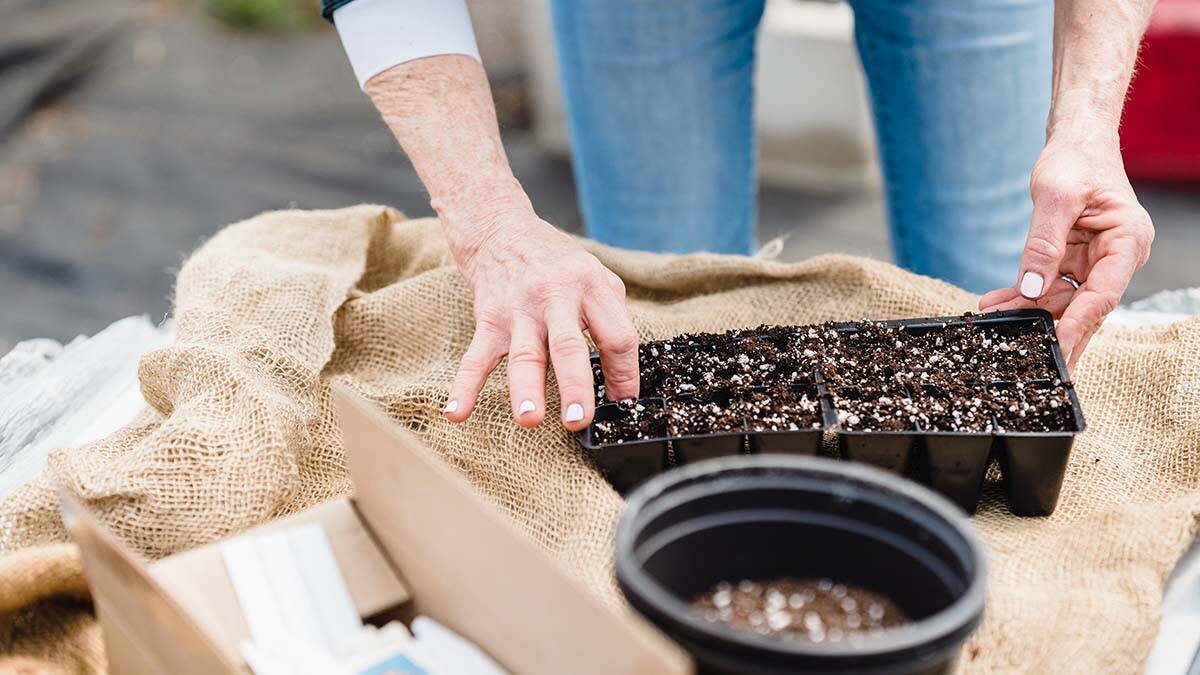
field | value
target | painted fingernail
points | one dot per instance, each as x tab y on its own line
1031	285
574	413
452	406
527	406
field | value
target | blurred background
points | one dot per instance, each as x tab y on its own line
132	130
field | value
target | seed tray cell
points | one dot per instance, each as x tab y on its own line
1003	394
629	462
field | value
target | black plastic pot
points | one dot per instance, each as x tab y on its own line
770	516
1033	464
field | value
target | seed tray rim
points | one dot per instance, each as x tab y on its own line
692	437
768	432
597	447
829	410
894	432
1037	434
585	435
1037	315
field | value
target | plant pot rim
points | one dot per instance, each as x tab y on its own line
941	631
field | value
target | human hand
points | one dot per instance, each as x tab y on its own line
536	289
1087	223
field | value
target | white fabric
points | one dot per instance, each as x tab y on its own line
53	396
379	34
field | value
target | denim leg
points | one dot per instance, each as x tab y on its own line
660	109
960	90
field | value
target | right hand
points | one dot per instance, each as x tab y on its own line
1087	222
536	289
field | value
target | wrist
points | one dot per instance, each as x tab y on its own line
1082	120
461	198
1085	128
475	225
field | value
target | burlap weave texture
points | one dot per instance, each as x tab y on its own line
240	429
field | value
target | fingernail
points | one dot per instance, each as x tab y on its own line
574	413
527	406
452	406
1031	285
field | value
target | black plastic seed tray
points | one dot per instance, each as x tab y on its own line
628	463
955	463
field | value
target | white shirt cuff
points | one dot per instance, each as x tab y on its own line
379	34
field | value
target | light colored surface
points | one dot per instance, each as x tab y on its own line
1161	308
1177	649
524	609
814	121
1178	644
545	94
53	397
371	581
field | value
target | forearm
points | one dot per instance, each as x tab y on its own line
1088	234
1095	50
440	110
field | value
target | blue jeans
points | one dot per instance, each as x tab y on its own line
660	107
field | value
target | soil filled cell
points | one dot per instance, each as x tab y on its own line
692	418
781	409
630	422
1032	407
958	375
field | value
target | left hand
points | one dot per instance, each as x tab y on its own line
1088	223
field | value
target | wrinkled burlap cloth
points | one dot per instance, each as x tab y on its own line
240	430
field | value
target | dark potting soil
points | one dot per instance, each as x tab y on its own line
980	354
701	364
689	418
874	408
669	369
817	610
635	421
887	378
1037	406
968	378
781	408
598	382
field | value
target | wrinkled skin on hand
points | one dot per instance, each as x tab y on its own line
1087	223
536	289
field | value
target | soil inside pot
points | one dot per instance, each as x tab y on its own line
598	383
633	421
817	610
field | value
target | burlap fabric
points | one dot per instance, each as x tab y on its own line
240	430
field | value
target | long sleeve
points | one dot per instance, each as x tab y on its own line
379	34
